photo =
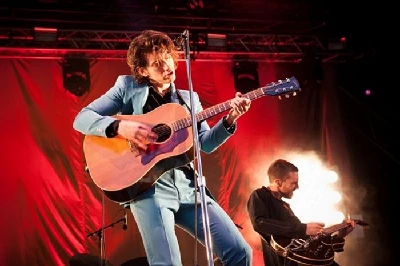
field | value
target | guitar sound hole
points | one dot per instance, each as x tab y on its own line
163	131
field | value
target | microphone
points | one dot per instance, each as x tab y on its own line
181	38
125	225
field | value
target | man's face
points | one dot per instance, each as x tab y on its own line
288	186
160	69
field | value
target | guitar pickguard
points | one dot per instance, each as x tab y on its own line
155	149
315	250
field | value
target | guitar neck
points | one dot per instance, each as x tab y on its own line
334	228
337	227
217	109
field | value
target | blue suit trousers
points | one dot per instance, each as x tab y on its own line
170	202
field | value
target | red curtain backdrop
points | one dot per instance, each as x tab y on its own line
49	204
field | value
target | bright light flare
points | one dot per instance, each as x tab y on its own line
331	176
317	199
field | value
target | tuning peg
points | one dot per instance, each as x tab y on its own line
294	93
287	95
279	97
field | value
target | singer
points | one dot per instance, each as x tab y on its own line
170	201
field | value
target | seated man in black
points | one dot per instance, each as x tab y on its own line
273	219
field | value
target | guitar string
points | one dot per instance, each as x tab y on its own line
165	130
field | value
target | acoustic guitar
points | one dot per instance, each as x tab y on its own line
315	250
124	172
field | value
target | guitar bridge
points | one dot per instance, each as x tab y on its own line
133	148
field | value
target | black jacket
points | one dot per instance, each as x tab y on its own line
271	216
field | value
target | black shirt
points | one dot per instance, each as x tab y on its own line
271	216
155	100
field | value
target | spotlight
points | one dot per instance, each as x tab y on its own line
245	76
76	75
337	44
216	40
313	68
45	34
195	4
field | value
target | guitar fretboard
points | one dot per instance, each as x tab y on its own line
225	106
337	227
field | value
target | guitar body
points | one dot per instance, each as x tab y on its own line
312	251
121	171
315	250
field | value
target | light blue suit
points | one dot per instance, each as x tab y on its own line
171	199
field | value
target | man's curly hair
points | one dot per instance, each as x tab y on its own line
149	41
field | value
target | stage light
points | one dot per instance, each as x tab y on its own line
313	68
245	75
337	44
195	4
76	75
331	176
216	40
45	34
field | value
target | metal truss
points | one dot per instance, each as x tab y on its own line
272	31
103	44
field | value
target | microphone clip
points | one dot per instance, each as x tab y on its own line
181	38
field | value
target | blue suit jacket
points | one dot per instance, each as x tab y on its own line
127	97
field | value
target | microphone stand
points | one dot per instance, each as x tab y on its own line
200	178
99	234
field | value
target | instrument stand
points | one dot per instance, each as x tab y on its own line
200	178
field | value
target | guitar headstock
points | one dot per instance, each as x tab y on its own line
287	87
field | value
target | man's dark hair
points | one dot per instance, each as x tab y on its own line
279	169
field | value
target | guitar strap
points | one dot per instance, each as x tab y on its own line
181	101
